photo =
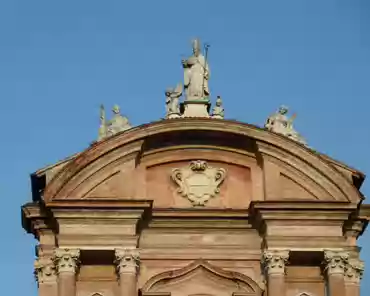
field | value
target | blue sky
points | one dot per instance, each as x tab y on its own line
59	60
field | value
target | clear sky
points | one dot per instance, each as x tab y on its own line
59	60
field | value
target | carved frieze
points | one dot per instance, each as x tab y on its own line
198	182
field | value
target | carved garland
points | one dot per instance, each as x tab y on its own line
198	182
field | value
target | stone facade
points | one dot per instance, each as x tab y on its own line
197	206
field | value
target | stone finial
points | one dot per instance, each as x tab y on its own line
45	270
127	260
354	270
218	110
279	123
67	260
274	261
335	261
172	101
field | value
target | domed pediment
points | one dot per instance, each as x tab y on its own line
258	164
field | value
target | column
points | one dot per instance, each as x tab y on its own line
274	265
335	266
352	276
127	261
46	278
67	263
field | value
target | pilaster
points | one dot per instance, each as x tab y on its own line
273	262
67	263
45	274
352	275
335	265
127	262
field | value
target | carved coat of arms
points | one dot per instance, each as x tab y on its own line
198	182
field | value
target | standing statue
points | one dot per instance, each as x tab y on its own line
118	123
218	110
172	101
196	74
103	124
281	124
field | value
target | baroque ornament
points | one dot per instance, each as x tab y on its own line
45	270
198	182
127	260
336	261
274	261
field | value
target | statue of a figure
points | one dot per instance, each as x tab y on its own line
281	124
103	124
196	74
172	100
218	110
118	123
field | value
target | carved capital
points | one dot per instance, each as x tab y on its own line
127	260
335	261
45	271
354	270
67	260
274	261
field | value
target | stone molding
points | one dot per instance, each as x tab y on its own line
335	261
274	261
67	260
127	260
354	270
45	270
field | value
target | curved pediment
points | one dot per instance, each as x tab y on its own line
259	165
201	278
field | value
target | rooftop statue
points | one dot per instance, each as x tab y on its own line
117	124
103	124
218	110
196	74
196	101
172	101
280	123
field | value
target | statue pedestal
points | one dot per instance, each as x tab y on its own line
173	115
196	108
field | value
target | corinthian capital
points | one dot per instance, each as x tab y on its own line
354	270
45	270
336	261
67	260
274	261
127	260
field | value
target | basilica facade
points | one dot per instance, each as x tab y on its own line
195	204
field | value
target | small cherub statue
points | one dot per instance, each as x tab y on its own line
218	110
118	123
280	123
172	101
